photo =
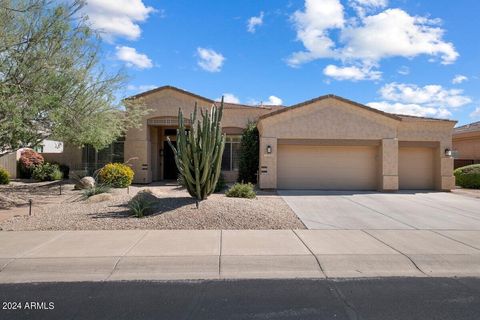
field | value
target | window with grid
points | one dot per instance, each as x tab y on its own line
231	154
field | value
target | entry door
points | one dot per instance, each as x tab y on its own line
170	171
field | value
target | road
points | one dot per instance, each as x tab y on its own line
383	299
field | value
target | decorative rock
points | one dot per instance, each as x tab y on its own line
100	198
85	183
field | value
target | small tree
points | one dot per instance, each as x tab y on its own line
198	154
249	150
52	83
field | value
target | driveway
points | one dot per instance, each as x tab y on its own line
370	210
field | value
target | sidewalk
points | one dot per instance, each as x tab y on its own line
31	256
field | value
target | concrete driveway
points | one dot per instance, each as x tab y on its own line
370	210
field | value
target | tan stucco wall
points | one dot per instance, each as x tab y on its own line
467	145
143	144
333	119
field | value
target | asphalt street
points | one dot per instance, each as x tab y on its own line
386	298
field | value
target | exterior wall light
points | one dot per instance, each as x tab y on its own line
448	152
269	149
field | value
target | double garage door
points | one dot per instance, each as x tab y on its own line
348	167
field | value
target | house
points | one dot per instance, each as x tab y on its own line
466	143
325	143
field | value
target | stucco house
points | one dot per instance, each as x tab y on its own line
325	143
466	143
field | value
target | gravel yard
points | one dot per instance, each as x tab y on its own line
174	209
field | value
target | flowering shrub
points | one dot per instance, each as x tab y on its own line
117	175
28	161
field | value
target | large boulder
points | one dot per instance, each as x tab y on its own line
85	183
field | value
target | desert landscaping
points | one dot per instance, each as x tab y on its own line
173	208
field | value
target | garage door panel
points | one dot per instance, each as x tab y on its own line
327	167
416	168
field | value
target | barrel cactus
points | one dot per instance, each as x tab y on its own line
199	151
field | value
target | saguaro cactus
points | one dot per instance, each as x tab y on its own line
198	153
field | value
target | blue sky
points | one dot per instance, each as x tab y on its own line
402	56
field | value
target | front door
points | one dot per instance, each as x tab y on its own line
170	171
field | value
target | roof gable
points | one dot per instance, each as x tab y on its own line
332	96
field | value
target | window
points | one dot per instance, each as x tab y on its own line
231	154
93	160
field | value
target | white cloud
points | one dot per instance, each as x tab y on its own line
394	32
475	113
133	58
141	88
271	101
209	60
410	109
117	18
426	101
351	73
254	22
404	70
429	95
229	97
364	6
312	26
459	78
365	39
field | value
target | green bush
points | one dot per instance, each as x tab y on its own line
117	175
29	160
221	184
249	153
47	172
4	176
97	189
142	203
241	190
468	176
65	169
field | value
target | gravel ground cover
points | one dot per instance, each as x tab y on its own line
174	209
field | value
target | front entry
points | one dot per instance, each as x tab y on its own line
170	171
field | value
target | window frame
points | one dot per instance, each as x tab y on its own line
230	140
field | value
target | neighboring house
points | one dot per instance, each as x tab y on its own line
466	143
326	143
49	146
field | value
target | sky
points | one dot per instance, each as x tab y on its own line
401	56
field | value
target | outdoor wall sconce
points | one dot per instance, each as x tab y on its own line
448	152
269	149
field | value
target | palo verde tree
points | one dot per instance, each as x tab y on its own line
249	154
52	84
199	151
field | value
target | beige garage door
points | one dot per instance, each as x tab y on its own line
326	167
416	168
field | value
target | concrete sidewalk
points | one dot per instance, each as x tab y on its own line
31	256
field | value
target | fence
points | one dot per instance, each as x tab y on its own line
9	163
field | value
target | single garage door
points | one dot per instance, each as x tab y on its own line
326	167
416	168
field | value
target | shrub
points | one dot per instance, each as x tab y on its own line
97	189
117	175
468	176
141	204
220	183
249	153
241	190
47	172
28	161
65	169
4	176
